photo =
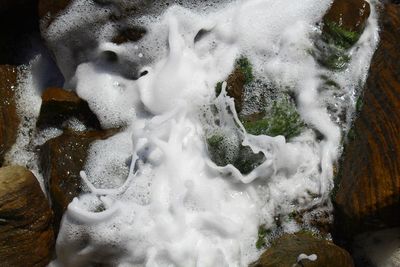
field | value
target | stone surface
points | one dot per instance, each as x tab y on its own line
285	251
129	34
26	234
61	160
9	120
58	105
51	8
235	88
348	14
368	197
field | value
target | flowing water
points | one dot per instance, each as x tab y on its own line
155	196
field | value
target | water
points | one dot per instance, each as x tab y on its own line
154	196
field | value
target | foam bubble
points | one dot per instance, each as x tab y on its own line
163	201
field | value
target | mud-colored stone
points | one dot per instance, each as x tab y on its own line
61	160
26	233
235	88
368	197
59	105
285	251
52	8
9	120
350	15
130	34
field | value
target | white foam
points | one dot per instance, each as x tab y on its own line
28	103
176	207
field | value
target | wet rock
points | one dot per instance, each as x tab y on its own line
287	249
59	105
61	160
241	75
130	34
343	25
51	8
281	118
9	120
345	21
235	87
26	234
368	197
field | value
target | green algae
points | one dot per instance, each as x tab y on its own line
281	119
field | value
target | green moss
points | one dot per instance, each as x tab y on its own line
215	140
100	208
332	83
339	36
218	88
244	65
359	104
247	160
335	61
218	148
282	119
262	233
223	152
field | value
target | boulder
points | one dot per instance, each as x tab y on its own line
368	197
346	17
9	120
26	234
286	252
51	8
61	160
59	105
236	81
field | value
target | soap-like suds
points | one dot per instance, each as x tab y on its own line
28	102
169	204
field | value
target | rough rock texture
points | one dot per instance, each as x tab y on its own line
9	120
61	160
368	197
26	234
348	14
284	252
58	105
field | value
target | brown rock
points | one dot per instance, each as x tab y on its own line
349	14
61	160
9	120
26	234
368	197
235	87
52	8
131	34
285	251
58	105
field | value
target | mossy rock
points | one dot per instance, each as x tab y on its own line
281	119
224	150
339	36
241	76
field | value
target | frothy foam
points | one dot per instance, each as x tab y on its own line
155	198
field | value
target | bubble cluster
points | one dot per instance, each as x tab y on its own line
155	195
